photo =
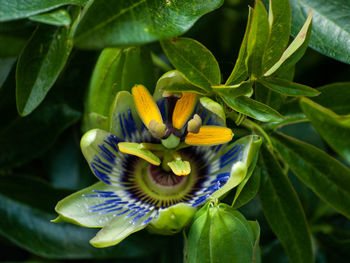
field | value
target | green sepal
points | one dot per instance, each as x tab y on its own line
254	154
117	229
123	102
221	234
250	147
214	107
75	207
172	219
90	141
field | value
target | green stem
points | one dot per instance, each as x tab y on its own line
252	126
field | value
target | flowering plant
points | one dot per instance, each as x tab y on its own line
146	147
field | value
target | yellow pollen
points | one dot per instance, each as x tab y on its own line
183	109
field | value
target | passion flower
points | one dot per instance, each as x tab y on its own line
159	162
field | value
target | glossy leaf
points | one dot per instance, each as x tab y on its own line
333	128
220	234
249	187
288	88
253	108
324	175
280	23
239	72
335	97
283	210
331	27
26	138
57	18
39	65
295	50
194	61
116	70
149	20
174	81
257	39
5	68
25	220
16	9
242	89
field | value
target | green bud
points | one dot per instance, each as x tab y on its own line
222	234
172	219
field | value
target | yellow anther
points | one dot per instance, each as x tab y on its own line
183	109
209	135
145	105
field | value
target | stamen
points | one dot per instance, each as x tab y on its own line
145	105
158	130
194	124
209	135
183	109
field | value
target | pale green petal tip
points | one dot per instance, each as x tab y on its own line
214	107
251	145
172	219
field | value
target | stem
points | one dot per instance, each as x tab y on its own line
252	126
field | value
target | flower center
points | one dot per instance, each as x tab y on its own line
152	184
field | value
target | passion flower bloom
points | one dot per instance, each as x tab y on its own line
159	162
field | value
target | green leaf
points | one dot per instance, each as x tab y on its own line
26	138
174	81
148	20
280	22
57	18
324	175
115	70
194	61
333	128
243	88
252	108
11	43
39	65
283	210
257	39
335	96
5	68
220	234
26	207
295	50
331	27
239	72
287	87
16	9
